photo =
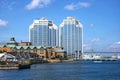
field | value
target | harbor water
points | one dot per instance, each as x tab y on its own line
79	70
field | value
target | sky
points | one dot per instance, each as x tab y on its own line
100	19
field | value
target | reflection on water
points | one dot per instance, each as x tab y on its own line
84	70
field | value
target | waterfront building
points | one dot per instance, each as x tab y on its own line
6	49
72	37
12	42
26	50
43	32
25	43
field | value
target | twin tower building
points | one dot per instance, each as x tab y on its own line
69	35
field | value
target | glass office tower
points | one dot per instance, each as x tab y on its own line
43	32
72	37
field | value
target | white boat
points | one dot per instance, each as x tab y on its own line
92	57
97	61
118	57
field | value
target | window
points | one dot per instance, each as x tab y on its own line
42	50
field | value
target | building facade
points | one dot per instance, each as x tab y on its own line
25	43
26	50
72	37
43	32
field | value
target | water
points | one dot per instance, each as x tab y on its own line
85	70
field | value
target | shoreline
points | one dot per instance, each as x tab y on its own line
58	61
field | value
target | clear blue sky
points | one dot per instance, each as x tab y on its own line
100	18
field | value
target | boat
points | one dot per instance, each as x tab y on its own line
97	61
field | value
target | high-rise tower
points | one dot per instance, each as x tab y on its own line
43	32
72	37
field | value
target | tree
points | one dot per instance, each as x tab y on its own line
80	54
1	51
76	54
59	57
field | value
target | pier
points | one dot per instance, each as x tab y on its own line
14	66
10	62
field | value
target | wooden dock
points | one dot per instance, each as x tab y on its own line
14	66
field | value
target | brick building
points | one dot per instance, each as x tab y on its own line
37	51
